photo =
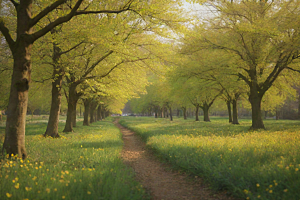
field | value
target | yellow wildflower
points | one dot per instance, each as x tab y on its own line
48	190
88	192
8	195
17	186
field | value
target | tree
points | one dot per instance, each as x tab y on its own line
21	46
262	36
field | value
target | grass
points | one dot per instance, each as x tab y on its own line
260	164
85	164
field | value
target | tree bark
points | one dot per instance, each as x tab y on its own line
74	116
235	112
92	112
14	142
255	100
184	113
103	112
99	113
205	109
197	112
73	99
171	116
52	127
87	106
298	105
277	114
266	114
155	114
229	111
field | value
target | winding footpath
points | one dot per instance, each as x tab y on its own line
157	178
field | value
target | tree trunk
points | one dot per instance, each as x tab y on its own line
73	99
266	114
87	105
299	106
99	113
103	112
92	112
52	127
229	111
14	142
277	114
171	116
74	114
197	112
235	112
255	100
205	109
184	113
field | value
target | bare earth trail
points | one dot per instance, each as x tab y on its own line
161	182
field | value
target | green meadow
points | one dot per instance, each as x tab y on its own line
85	164
260	164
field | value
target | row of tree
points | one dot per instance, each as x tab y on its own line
99	51
243	50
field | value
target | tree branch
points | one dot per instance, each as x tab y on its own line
42	81
4	30
225	48
212	101
46	11
57	22
102	76
74	47
15	3
244	78
84	12
96	63
295	70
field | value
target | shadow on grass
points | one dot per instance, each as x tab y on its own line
36	129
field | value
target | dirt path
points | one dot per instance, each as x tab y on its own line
162	183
